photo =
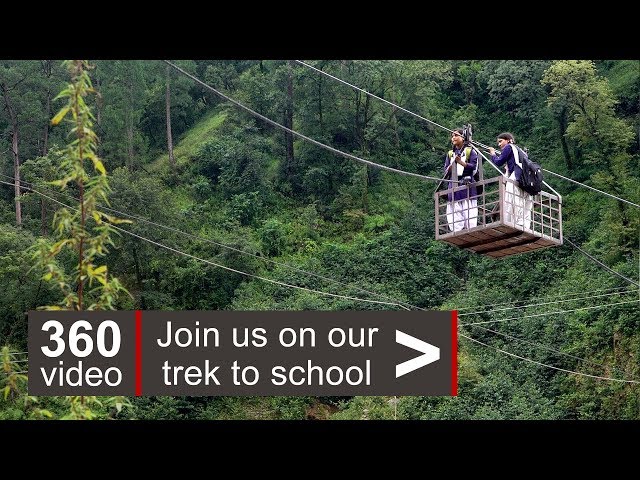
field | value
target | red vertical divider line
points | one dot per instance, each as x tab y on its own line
454	353
138	353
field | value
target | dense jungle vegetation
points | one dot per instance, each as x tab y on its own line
177	154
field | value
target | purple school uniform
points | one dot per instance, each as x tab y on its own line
507	157
467	172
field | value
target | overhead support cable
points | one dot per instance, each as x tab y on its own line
300	135
547	365
269	280
473	142
600	263
522	317
228	247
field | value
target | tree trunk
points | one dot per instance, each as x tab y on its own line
81	243
365	149
288	122
562	125
320	106
16	173
365	189
98	104
14	148
129	143
45	134
395	128
593	125
357	122
43	217
130	122
172	161
47	69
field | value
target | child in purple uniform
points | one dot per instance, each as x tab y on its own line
518	203
462	206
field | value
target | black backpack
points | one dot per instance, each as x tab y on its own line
531	178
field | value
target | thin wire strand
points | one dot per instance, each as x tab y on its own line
300	135
464	314
276	282
590	188
600	263
316	275
547	297
548	313
489	162
547	365
473	142
545	303
546	347
518	307
197	237
374	96
499	333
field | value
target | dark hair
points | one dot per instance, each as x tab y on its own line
508	137
459	131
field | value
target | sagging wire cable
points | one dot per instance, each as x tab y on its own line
547	365
328	278
478	312
238	250
548	313
473	142
276	282
298	134
600	263
546	347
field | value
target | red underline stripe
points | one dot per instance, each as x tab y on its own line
138	353
454	353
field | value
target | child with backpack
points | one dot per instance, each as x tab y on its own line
518	203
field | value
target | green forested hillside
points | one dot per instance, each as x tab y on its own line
242	193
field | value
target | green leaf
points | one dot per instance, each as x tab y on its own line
100	270
99	166
60	115
64	93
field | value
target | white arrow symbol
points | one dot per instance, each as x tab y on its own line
431	353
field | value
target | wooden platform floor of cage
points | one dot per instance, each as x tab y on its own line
500	240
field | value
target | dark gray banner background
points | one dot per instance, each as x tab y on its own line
432	327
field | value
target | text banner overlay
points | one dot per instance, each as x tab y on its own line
210	353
